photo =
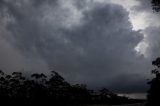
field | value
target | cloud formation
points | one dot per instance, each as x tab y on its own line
149	25
87	42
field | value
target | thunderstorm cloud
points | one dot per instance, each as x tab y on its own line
88	41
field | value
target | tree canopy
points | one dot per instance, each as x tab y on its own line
156	5
39	88
153	97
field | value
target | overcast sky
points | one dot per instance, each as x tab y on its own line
101	43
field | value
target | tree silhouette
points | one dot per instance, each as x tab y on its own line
39	78
1	72
39	88
156	5
153	97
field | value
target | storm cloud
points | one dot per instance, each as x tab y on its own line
87	42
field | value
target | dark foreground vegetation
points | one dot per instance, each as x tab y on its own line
153	97
156	5
39	88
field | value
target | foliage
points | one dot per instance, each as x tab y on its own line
153	97
39	88
156	5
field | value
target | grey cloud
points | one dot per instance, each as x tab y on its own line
145	5
153	40
12	60
151	32
97	52
129	83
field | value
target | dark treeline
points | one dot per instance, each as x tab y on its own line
153	97
39	88
156	5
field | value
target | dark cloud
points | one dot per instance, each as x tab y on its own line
153	40
128	83
96	49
